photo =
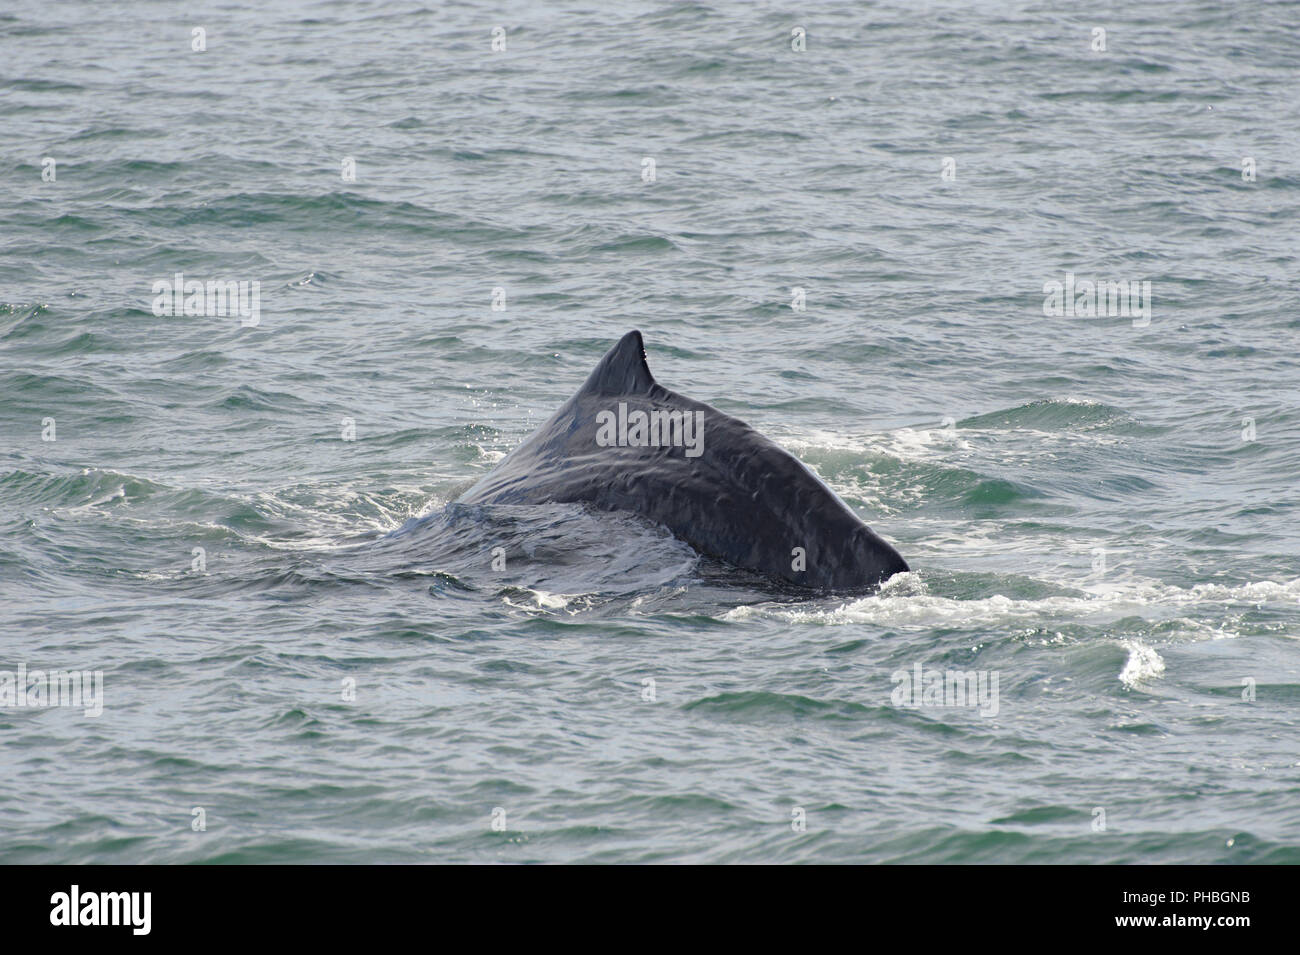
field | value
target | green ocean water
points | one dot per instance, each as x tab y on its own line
250	529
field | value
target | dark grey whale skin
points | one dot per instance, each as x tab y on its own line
743	499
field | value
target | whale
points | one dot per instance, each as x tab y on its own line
624	442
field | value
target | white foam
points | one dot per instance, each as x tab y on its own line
1143	664
543	601
905	601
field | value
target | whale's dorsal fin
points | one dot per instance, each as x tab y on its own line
623	369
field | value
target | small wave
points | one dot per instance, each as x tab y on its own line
17	319
758	704
1052	415
91	487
